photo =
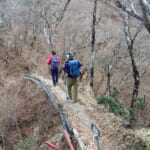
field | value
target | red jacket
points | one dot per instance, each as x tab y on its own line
49	61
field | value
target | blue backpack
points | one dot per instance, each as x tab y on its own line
74	69
55	63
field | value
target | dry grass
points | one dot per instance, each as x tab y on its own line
25	112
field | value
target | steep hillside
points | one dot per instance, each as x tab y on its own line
26	113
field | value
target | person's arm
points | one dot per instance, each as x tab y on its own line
66	67
79	64
49	61
59	60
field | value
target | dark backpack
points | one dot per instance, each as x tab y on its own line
74	69
55	63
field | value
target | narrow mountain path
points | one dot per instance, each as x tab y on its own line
88	111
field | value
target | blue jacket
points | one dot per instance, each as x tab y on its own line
67	68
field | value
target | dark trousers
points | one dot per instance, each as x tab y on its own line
54	73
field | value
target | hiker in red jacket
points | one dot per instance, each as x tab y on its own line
54	62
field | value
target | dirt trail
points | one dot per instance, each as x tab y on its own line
89	111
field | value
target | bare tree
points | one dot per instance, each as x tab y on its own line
130	47
145	13
93	44
50	14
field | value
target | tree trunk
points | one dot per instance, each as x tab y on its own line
136	77
46	36
93	45
108	91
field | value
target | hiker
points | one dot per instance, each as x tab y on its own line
54	62
72	68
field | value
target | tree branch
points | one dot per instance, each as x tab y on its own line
129	11
145	11
132	6
63	12
138	31
147	6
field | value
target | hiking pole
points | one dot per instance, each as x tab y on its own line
66	90
51	145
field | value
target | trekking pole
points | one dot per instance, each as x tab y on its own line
66	90
51	145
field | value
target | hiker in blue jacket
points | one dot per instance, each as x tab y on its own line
72	68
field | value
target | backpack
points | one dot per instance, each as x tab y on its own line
55	63
74	69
